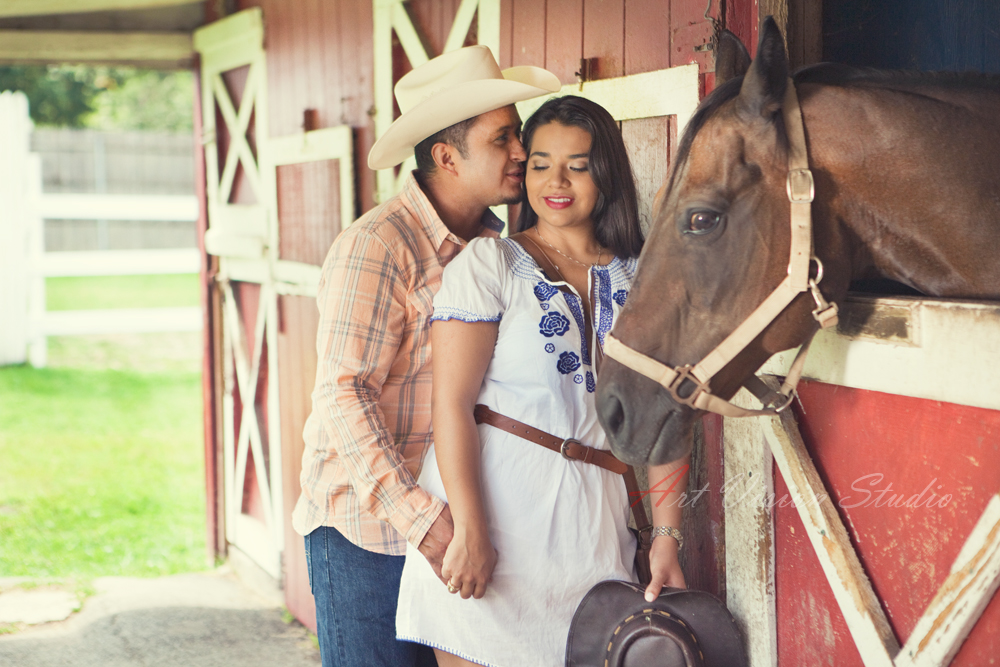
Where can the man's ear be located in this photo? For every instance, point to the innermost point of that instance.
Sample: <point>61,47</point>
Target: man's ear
<point>444,157</point>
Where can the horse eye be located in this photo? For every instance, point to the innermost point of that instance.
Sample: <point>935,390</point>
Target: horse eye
<point>702,222</point>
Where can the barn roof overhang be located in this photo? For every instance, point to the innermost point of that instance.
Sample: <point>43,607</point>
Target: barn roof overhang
<point>144,33</point>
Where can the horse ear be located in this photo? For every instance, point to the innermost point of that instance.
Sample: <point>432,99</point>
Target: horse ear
<point>765,82</point>
<point>732,59</point>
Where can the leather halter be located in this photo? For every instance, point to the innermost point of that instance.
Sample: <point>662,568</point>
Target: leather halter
<point>801,190</point>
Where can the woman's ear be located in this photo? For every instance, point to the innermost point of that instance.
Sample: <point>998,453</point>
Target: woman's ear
<point>444,157</point>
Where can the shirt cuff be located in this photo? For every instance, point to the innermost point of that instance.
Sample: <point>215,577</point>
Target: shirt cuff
<point>416,514</point>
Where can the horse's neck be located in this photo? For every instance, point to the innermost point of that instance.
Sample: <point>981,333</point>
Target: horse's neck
<point>914,179</point>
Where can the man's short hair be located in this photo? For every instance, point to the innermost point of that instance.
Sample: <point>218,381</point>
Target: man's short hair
<point>455,136</point>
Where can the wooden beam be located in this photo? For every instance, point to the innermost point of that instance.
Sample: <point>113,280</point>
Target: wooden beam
<point>64,46</point>
<point>48,7</point>
<point>960,601</point>
<point>863,615</point>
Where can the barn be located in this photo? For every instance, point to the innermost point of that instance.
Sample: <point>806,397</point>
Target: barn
<point>901,402</point>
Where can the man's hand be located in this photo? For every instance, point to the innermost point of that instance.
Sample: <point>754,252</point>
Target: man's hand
<point>436,541</point>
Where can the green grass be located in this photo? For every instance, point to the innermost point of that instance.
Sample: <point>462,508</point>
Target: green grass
<point>121,292</point>
<point>101,473</point>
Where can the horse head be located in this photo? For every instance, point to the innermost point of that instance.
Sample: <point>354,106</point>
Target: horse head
<point>718,246</point>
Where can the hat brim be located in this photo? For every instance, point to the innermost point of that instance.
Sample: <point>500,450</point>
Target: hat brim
<point>610,602</point>
<point>454,105</point>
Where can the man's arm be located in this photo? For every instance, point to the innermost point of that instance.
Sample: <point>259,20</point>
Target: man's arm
<point>362,303</point>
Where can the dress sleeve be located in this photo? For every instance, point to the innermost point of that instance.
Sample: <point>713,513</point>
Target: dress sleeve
<point>472,286</point>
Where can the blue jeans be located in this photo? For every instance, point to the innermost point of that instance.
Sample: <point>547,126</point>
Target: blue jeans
<point>356,591</point>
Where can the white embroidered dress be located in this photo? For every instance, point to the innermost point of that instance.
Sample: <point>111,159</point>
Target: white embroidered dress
<point>558,526</point>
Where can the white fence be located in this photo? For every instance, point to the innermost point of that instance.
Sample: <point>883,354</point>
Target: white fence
<point>24,264</point>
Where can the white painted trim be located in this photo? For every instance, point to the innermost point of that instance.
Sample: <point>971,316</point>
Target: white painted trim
<point>48,7</point>
<point>857,601</point>
<point>960,601</point>
<point>460,26</point>
<point>749,539</point>
<point>54,46</point>
<point>951,352</point>
<point>332,143</point>
<point>120,321</point>
<point>119,263</point>
<point>167,208</point>
<point>665,92</point>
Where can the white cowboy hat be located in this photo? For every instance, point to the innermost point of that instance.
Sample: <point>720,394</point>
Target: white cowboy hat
<point>449,89</point>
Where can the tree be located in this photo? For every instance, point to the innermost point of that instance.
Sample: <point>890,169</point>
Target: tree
<point>106,98</point>
<point>56,95</point>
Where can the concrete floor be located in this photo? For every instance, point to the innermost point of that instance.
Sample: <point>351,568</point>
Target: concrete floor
<point>189,620</point>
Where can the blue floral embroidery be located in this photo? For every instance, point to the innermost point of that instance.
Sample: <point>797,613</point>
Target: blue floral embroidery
<point>574,307</point>
<point>568,362</point>
<point>544,305</point>
<point>591,383</point>
<point>604,297</point>
<point>553,324</point>
<point>578,378</point>
<point>620,297</point>
<point>544,291</point>
<point>550,348</point>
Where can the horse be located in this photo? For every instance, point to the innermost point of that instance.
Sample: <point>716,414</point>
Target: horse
<point>905,186</point>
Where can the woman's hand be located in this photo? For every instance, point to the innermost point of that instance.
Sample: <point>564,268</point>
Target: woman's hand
<point>665,566</point>
<point>469,562</point>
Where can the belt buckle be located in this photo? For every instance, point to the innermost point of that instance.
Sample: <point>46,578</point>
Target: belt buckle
<point>562,448</point>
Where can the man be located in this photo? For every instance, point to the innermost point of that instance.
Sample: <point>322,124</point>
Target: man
<point>370,424</point>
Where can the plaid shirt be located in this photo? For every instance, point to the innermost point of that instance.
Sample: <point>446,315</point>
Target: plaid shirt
<point>370,424</point>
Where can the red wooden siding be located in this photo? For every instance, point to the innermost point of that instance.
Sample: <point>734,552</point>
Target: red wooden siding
<point>907,552</point>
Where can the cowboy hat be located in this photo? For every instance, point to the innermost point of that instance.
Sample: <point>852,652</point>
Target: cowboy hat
<point>449,89</point>
<point>614,626</point>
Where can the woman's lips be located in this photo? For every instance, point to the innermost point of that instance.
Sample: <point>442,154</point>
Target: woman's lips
<point>558,202</point>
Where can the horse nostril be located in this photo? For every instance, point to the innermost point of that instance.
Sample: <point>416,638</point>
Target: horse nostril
<point>615,415</point>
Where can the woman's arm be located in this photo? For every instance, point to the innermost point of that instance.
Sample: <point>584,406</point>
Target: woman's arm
<point>666,483</point>
<point>461,354</point>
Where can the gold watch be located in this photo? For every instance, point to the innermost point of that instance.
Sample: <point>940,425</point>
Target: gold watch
<point>671,531</point>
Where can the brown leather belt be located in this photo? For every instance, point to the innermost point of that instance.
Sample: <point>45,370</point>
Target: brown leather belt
<point>568,447</point>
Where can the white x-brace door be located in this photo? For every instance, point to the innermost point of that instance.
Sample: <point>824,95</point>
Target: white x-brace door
<point>251,274</point>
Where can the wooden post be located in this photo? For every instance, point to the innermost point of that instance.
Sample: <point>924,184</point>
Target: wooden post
<point>748,489</point>
<point>15,132</point>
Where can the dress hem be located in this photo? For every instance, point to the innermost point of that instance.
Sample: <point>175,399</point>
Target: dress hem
<point>463,656</point>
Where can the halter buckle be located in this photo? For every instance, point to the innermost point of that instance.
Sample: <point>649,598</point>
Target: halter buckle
<point>684,373</point>
<point>800,186</point>
<point>778,409</point>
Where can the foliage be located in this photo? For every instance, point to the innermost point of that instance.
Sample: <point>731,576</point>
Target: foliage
<point>102,473</point>
<point>147,100</point>
<point>56,95</point>
<point>107,98</point>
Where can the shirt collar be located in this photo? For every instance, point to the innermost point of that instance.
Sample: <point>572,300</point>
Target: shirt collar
<point>431,223</point>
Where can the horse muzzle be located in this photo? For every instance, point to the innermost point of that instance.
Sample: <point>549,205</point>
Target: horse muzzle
<point>644,425</point>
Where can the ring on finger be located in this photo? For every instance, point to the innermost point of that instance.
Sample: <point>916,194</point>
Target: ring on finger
<point>451,587</point>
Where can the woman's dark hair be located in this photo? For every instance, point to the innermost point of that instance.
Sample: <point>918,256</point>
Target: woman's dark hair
<point>616,214</point>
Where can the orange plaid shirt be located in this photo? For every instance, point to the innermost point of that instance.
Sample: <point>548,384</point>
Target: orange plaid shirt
<point>370,424</point>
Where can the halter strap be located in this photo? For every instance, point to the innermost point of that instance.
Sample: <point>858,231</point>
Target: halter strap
<point>800,188</point>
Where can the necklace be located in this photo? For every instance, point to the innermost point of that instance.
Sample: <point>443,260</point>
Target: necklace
<point>600,252</point>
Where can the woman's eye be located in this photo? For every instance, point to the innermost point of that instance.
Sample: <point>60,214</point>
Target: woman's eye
<point>702,222</point>
<point>580,169</point>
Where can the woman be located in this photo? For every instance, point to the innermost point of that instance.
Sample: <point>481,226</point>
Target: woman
<point>534,531</point>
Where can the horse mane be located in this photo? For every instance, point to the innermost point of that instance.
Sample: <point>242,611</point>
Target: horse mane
<point>830,74</point>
